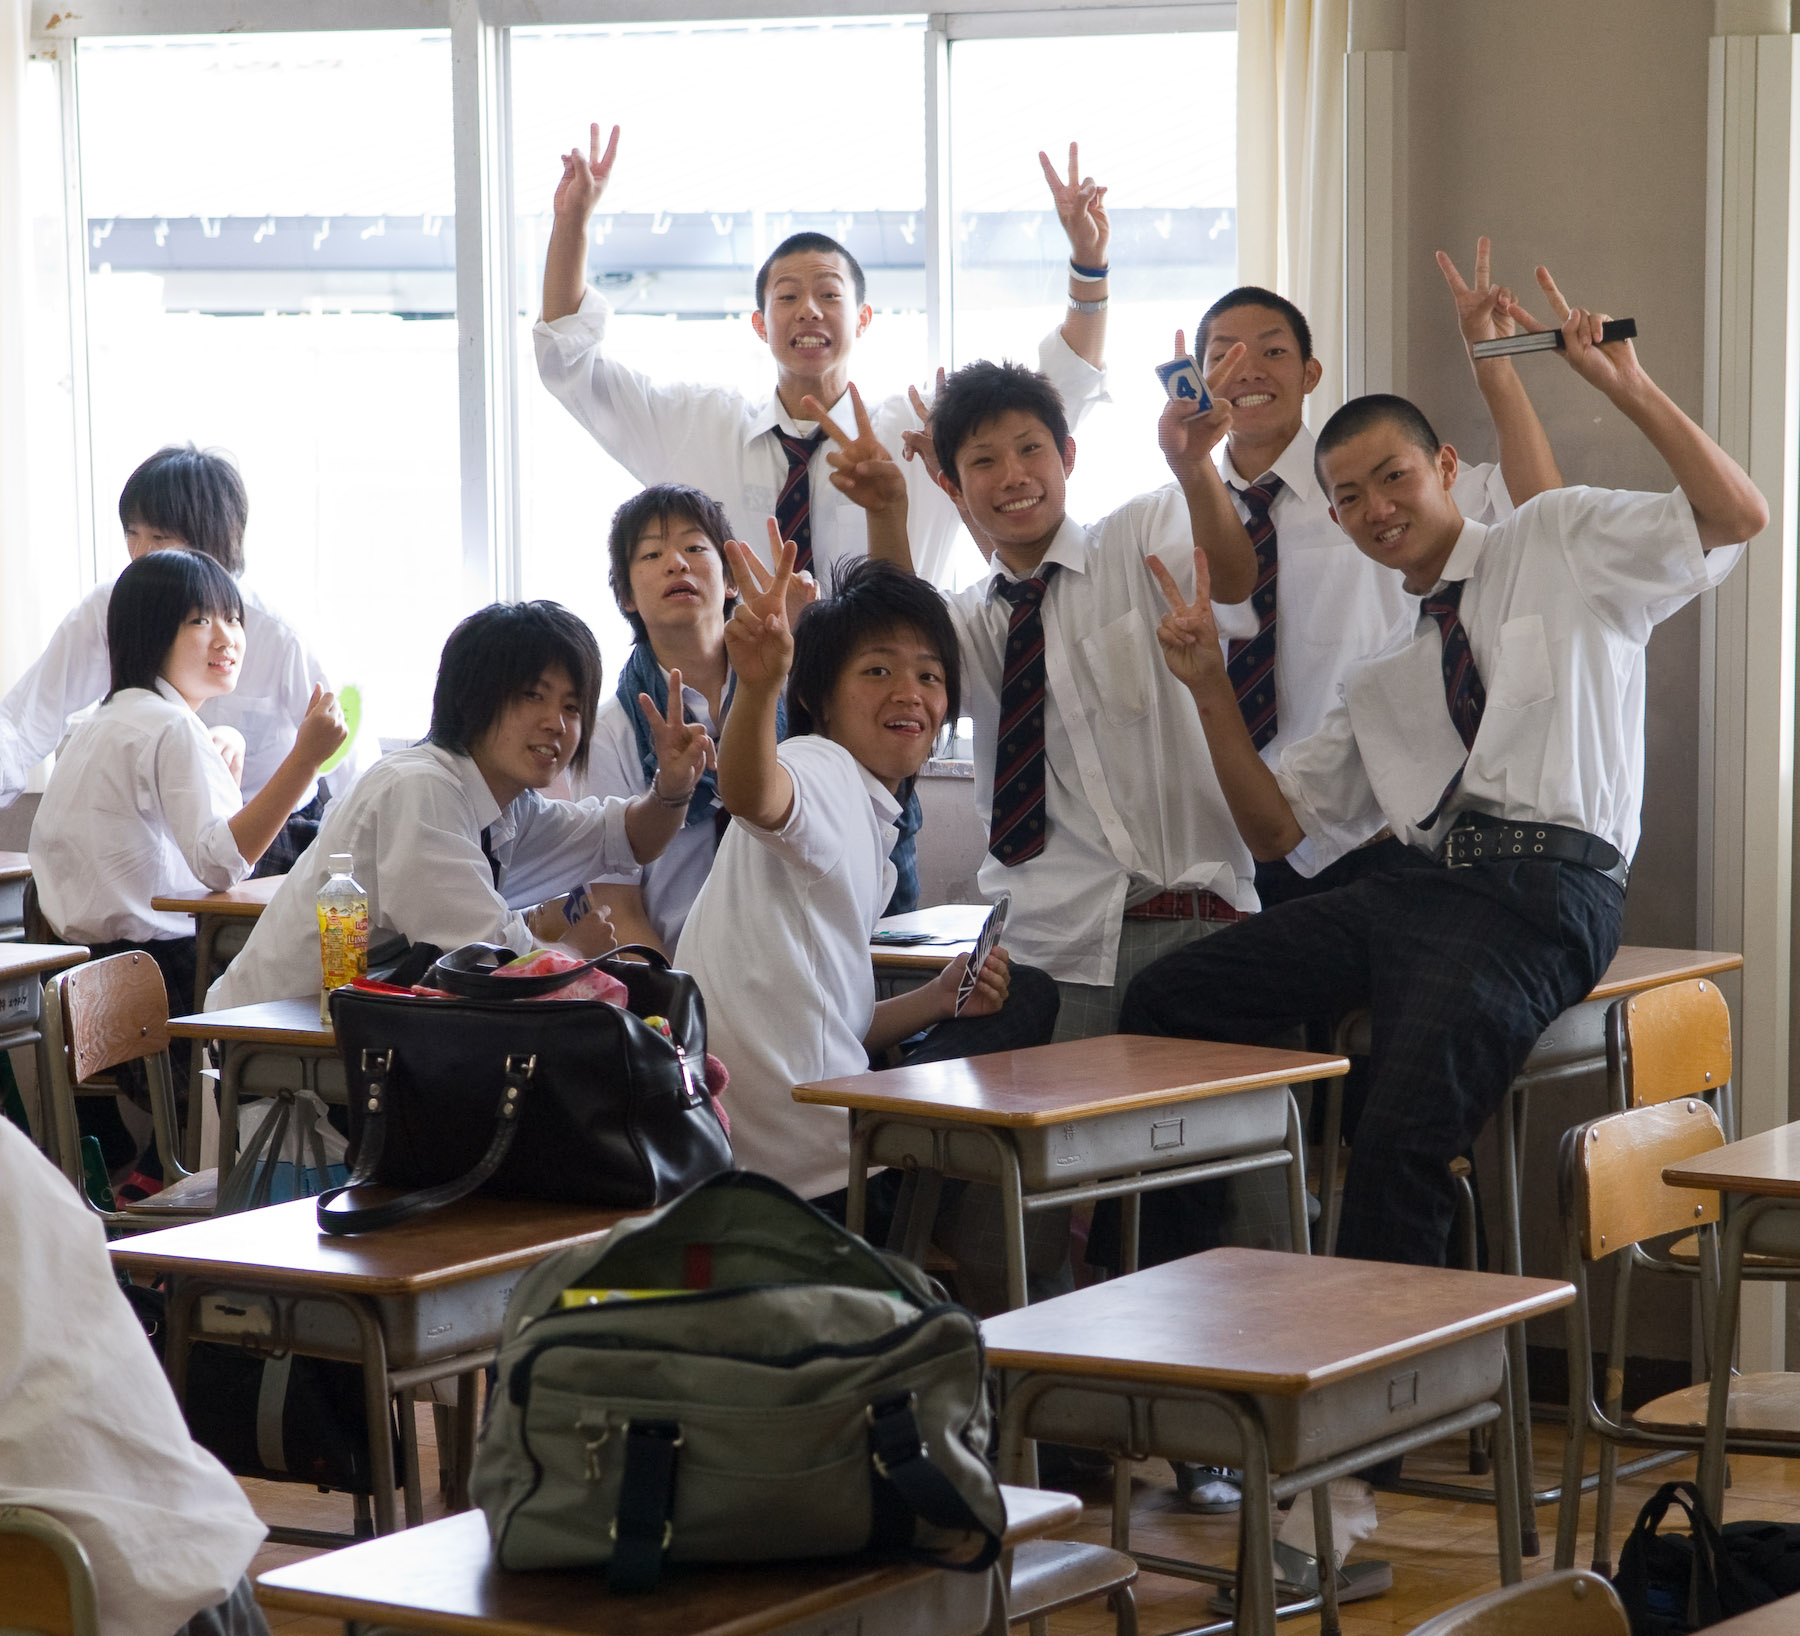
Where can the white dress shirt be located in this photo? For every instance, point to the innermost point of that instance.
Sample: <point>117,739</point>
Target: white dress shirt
<point>714,439</point>
<point>671,882</point>
<point>413,825</point>
<point>1134,807</point>
<point>89,1430</point>
<point>1559,602</point>
<point>778,941</point>
<point>139,806</point>
<point>275,684</point>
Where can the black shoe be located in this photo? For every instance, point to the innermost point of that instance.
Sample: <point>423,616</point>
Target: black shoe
<point>1213,1491</point>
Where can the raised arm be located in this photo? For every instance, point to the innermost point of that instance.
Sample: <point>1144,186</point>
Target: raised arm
<point>1188,440</point>
<point>256,824</point>
<point>1527,461</point>
<point>584,179</point>
<point>1081,208</point>
<point>683,753</point>
<point>1190,648</point>
<point>753,784</point>
<point>864,470</point>
<point>1728,507</point>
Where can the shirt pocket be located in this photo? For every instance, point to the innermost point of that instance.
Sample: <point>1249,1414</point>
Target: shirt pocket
<point>1118,658</point>
<point>1522,672</point>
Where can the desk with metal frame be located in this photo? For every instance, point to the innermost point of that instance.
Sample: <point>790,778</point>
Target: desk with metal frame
<point>23,968</point>
<point>15,874</point>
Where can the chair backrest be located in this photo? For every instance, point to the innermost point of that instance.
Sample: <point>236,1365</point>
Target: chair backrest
<point>1673,1041</point>
<point>1565,1604</point>
<point>1613,1169</point>
<point>46,1581</point>
<point>114,1010</point>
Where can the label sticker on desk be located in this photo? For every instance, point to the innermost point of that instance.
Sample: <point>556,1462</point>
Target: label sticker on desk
<point>16,1004</point>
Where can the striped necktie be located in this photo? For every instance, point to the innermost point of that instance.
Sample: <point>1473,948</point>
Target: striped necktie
<point>487,851</point>
<point>793,506</point>
<point>1250,663</point>
<point>1019,824</point>
<point>1463,692</point>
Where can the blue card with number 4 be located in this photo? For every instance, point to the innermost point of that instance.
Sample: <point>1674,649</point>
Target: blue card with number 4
<point>1184,383</point>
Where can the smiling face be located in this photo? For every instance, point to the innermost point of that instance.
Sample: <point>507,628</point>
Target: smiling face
<point>204,659</point>
<point>533,737</point>
<point>1014,482</point>
<point>678,578</point>
<point>1268,390</point>
<point>810,318</point>
<point>1393,499</point>
<point>888,704</point>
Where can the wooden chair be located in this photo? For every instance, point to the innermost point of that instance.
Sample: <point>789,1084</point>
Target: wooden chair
<point>1613,1198</point>
<point>96,1017</point>
<point>1049,1575</point>
<point>46,1581</point>
<point>1560,1604</point>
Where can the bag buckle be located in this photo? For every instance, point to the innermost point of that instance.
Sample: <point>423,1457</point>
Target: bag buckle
<point>376,1065</point>
<point>520,1066</point>
<point>612,1532</point>
<point>894,1432</point>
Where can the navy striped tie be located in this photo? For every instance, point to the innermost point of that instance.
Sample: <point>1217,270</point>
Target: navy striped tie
<point>1250,663</point>
<point>1463,692</point>
<point>793,507</point>
<point>1019,823</point>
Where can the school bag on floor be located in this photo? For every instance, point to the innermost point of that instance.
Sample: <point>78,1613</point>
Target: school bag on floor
<point>735,1378</point>
<point>1712,1574</point>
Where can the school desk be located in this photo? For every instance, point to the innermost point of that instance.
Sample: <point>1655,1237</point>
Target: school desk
<point>953,928</point>
<point>1777,1619</point>
<point>1292,1368</point>
<point>441,1578</point>
<point>23,968</point>
<point>1065,1124</point>
<point>15,871</point>
<point>413,1303</point>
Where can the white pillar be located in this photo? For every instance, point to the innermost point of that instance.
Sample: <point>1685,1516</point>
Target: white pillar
<point>1375,192</point>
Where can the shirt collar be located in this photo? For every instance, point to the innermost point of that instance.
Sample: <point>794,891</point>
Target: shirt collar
<point>167,689</point>
<point>1294,466</point>
<point>1465,554</point>
<point>885,803</point>
<point>481,798</point>
<point>1068,550</point>
<point>770,416</point>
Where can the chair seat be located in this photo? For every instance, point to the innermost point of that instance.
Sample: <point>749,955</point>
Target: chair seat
<point>1049,1575</point>
<point>1687,1252</point>
<point>1761,1406</point>
<point>195,1194</point>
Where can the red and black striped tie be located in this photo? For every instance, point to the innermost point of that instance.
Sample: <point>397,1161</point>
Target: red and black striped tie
<point>1250,663</point>
<point>1463,691</point>
<point>793,507</point>
<point>1019,822</point>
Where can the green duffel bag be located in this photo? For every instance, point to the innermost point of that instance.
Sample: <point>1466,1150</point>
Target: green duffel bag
<point>735,1378</point>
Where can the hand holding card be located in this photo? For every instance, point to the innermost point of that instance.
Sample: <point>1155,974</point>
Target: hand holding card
<point>1183,381</point>
<point>985,944</point>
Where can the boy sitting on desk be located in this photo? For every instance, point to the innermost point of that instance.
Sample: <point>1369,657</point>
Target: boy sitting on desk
<point>1502,739</point>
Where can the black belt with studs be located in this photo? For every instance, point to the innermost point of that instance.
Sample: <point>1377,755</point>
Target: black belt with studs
<point>1477,838</point>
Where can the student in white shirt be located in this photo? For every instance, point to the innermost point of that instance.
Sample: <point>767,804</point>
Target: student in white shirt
<point>452,837</point>
<point>1327,606</point>
<point>778,939</point>
<point>810,313</point>
<point>91,1433</point>
<point>193,498</point>
<point>1502,739</point>
<point>142,803</point>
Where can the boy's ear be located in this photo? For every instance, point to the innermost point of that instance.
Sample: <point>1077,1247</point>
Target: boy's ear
<point>761,328</point>
<point>948,484</point>
<point>1448,464</point>
<point>863,319</point>
<point>1312,375</point>
<point>1068,457</point>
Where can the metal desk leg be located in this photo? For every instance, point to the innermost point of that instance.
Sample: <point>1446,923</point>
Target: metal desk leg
<point>463,1423</point>
<point>1299,1229</point>
<point>1256,1535</point>
<point>206,937</point>
<point>856,1187</point>
<point>1724,1349</point>
<point>409,1456</point>
<point>1325,1554</point>
<point>1506,1487</point>
<point>1509,1128</point>
<point>231,1073</point>
<point>921,1214</point>
<point>377,1396</point>
<point>1012,1215</point>
<point>1131,1216</point>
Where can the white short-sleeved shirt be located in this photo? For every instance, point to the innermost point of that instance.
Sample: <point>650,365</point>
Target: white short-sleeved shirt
<point>89,1430</point>
<point>139,806</point>
<point>717,440</point>
<point>778,941</point>
<point>671,882</point>
<point>1559,601</point>
<point>1134,806</point>
<point>413,824</point>
<point>274,688</point>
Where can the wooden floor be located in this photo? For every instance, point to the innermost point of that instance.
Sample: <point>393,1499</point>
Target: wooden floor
<point>1442,1551</point>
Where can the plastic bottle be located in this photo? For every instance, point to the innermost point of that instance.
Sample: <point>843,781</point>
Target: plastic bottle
<point>343,928</point>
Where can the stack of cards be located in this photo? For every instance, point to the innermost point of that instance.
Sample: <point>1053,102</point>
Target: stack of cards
<point>1183,381</point>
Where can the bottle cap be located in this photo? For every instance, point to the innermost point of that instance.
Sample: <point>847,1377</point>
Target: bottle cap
<point>342,863</point>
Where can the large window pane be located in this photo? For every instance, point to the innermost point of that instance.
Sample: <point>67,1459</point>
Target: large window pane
<point>272,270</point>
<point>1172,199</point>
<point>715,167</point>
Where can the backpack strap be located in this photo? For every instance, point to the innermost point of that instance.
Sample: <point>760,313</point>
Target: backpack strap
<point>908,1487</point>
<point>641,1529</point>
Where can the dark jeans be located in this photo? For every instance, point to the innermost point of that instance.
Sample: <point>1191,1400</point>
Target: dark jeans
<point>1461,970</point>
<point>99,1116</point>
<point>1280,882</point>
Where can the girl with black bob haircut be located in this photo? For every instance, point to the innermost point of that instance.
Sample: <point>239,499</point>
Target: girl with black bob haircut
<point>167,589</point>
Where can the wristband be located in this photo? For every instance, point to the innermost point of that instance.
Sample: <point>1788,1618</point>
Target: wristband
<point>668,800</point>
<point>1085,275</point>
<point>1088,306</point>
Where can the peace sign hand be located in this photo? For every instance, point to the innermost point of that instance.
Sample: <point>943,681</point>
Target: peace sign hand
<point>1482,309</point>
<point>1188,632</point>
<point>585,179</point>
<point>1188,439</point>
<point>861,467</point>
<point>684,749</point>
<point>1081,208</point>
<point>918,445</point>
<point>758,639</point>
<point>1612,368</point>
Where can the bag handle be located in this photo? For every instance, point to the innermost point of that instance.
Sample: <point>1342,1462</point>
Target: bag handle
<point>248,1186</point>
<point>908,1486</point>
<point>461,972</point>
<point>377,1065</point>
<point>1708,1546</point>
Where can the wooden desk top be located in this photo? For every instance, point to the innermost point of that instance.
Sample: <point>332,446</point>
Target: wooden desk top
<point>1052,1083</point>
<point>960,923</point>
<point>245,901</point>
<point>272,1022</point>
<point>1261,1321</point>
<point>14,866</point>
<point>440,1577</point>
<point>1767,1164</point>
<point>35,959</point>
<point>470,1239</point>
<point>1634,968</point>
<point>1776,1619</point>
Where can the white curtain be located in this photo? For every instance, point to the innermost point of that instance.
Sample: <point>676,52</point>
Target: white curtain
<point>18,578</point>
<point>1290,167</point>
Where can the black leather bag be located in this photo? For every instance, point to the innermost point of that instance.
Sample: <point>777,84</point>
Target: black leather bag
<point>1675,1583</point>
<point>523,1095</point>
